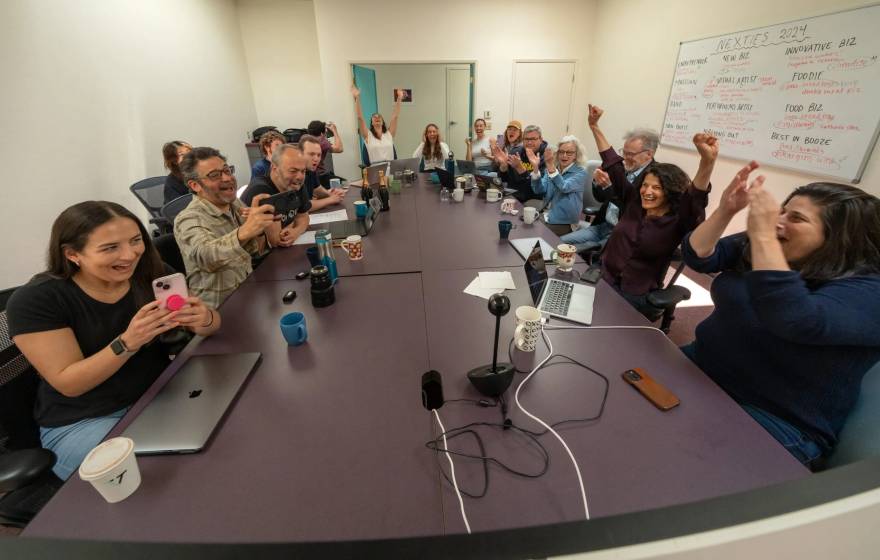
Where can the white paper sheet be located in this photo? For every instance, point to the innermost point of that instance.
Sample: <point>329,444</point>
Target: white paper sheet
<point>475,288</point>
<point>327,217</point>
<point>307,238</point>
<point>497,280</point>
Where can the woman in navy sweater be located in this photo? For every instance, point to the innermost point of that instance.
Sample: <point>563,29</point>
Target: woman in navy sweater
<point>797,306</point>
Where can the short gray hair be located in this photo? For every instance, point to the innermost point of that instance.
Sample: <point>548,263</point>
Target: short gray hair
<point>533,128</point>
<point>649,137</point>
<point>581,156</point>
<point>279,152</point>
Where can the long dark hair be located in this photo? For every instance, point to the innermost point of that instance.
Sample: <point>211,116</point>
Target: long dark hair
<point>673,181</point>
<point>431,151</point>
<point>169,154</point>
<point>851,224</point>
<point>72,229</point>
<point>373,130</point>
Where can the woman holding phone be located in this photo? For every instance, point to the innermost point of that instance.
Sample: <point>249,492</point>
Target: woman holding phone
<point>90,325</point>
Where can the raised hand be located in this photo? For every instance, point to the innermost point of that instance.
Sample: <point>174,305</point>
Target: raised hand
<point>707,146</point>
<point>533,158</point>
<point>549,158</point>
<point>398,95</point>
<point>516,162</point>
<point>332,127</point>
<point>468,141</point>
<point>355,92</point>
<point>601,178</point>
<point>763,212</point>
<point>499,155</point>
<point>595,113</point>
<point>736,196</point>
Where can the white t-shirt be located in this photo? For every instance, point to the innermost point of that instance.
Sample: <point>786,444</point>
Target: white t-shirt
<point>477,147</point>
<point>380,150</point>
<point>433,163</point>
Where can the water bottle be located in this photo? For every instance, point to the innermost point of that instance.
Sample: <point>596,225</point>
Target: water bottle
<point>444,194</point>
<point>324,242</point>
<point>450,164</point>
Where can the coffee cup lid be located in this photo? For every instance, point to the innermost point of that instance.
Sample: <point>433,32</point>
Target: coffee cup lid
<point>105,457</point>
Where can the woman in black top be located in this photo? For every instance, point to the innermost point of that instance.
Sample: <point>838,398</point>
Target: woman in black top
<point>172,153</point>
<point>89,326</point>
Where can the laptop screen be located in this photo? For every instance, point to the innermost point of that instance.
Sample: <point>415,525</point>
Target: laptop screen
<point>536,272</point>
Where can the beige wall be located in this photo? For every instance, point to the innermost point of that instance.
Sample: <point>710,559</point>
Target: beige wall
<point>637,43</point>
<point>493,33</point>
<point>91,91</point>
<point>281,48</point>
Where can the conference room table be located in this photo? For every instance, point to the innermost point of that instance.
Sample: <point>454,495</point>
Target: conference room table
<point>327,440</point>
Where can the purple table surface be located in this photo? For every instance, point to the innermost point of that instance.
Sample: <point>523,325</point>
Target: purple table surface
<point>325,441</point>
<point>633,458</point>
<point>392,246</point>
<point>459,235</point>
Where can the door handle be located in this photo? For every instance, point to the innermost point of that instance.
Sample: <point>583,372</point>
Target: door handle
<point>452,122</point>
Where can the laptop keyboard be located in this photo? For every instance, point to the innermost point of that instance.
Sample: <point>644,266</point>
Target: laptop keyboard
<point>557,297</point>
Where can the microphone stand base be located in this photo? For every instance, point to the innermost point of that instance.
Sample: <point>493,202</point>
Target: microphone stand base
<point>492,383</point>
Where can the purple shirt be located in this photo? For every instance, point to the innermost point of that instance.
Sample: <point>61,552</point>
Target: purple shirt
<point>641,246</point>
<point>325,147</point>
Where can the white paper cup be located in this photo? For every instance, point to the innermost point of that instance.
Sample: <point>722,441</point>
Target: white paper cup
<point>112,469</point>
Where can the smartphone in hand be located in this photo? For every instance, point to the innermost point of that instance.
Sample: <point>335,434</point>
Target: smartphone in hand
<point>171,291</point>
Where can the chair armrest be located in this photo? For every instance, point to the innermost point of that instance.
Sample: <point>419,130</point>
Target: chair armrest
<point>668,298</point>
<point>20,468</point>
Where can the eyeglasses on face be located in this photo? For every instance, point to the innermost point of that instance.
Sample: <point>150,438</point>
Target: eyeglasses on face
<point>566,152</point>
<point>632,154</point>
<point>218,173</point>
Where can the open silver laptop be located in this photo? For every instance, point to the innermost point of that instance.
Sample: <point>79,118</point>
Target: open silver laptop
<point>558,298</point>
<point>182,417</point>
<point>411,164</point>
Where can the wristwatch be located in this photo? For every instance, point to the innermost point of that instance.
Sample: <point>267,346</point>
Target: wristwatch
<point>119,348</point>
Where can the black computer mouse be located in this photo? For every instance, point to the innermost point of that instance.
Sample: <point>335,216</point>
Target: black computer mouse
<point>289,296</point>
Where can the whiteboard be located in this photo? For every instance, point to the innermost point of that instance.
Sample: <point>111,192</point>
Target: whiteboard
<point>804,95</point>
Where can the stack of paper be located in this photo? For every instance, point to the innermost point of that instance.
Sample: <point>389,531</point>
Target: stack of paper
<point>488,283</point>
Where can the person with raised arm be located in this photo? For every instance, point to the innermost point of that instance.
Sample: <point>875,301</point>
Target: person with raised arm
<point>653,218</point>
<point>796,322</point>
<point>378,138</point>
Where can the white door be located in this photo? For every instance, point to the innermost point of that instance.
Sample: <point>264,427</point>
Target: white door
<point>458,97</point>
<point>542,94</point>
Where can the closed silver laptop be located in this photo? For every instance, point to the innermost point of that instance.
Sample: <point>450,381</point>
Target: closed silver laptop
<point>185,412</point>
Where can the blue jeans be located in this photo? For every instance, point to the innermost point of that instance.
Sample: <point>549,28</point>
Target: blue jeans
<point>800,445</point>
<point>73,442</point>
<point>588,236</point>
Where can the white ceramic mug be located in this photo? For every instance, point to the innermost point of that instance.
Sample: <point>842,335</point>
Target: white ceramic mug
<point>112,469</point>
<point>458,194</point>
<point>530,214</point>
<point>528,328</point>
<point>493,195</point>
<point>564,255</point>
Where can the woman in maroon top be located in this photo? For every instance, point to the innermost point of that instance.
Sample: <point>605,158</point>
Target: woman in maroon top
<point>653,219</point>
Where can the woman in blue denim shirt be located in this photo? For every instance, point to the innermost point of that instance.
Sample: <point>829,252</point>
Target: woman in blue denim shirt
<point>562,183</point>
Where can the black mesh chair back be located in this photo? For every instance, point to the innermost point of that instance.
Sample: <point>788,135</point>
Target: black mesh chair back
<point>151,193</point>
<point>173,208</point>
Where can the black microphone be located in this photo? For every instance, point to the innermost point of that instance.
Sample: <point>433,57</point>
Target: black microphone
<point>432,390</point>
<point>492,380</point>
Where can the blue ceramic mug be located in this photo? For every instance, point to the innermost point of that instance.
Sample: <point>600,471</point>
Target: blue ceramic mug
<point>293,327</point>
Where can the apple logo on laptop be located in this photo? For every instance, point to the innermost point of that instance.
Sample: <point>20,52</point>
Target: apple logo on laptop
<point>194,394</point>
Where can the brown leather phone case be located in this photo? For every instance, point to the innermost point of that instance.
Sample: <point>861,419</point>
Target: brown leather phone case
<point>659,395</point>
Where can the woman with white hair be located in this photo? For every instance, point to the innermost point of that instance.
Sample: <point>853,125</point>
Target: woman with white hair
<point>562,183</point>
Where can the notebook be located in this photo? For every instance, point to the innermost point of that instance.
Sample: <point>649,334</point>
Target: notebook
<point>182,417</point>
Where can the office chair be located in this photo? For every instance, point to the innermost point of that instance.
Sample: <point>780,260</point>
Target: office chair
<point>365,157</point>
<point>26,478</point>
<point>591,205</point>
<point>168,250</point>
<point>668,297</point>
<point>174,207</point>
<point>860,437</point>
<point>151,193</point>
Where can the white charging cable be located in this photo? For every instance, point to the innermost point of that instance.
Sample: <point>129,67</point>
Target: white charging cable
<point>546,426</point>
<point>452,470</point>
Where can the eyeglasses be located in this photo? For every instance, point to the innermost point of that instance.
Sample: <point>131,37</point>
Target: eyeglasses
<point>566,152</point>
<point>532,139</point>
<point>218,173</point>
<point>632,154</point>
